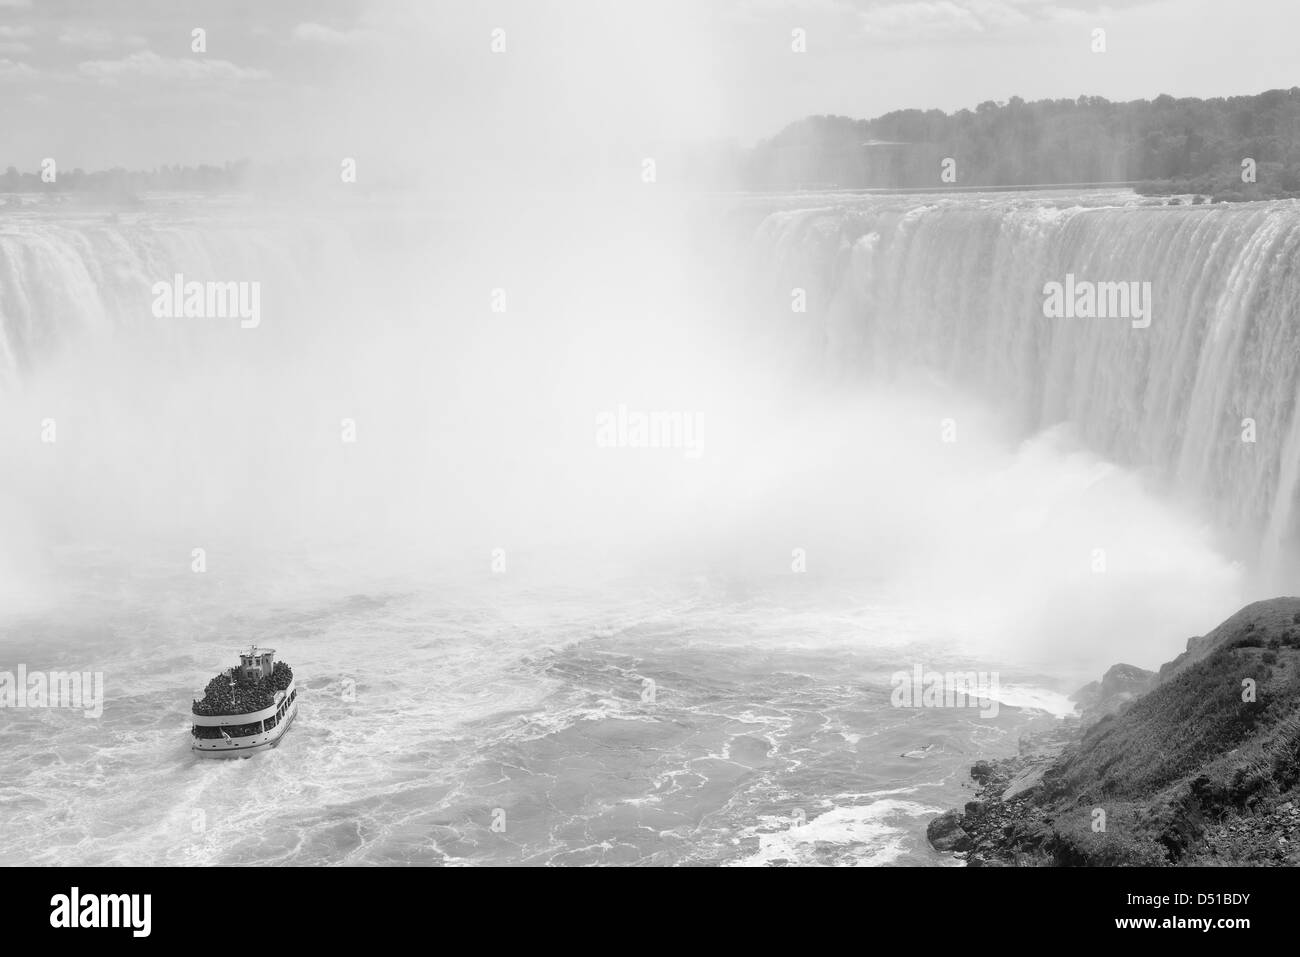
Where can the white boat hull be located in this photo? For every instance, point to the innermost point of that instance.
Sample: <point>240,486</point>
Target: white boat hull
<point>248,745</point>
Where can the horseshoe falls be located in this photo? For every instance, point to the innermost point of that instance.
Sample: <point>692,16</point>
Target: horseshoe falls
<point>1203,401</point>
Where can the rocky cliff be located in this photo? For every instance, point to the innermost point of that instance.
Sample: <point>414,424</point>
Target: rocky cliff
<point>1197,764</point>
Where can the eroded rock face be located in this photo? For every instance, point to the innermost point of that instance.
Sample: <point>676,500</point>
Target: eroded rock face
<point>1126,679</point>
<point>1121,684</point>
<point>1087,696</point>
<point>1027,781</point>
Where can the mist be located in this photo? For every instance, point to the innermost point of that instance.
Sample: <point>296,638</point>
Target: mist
<point>422,400</point>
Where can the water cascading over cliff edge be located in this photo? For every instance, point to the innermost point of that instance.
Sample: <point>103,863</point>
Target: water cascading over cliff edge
<point>893,284</point>
<point>956,285</point>
<point>67,278</point>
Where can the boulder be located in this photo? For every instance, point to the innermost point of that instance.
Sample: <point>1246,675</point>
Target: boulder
<point>945,833</point>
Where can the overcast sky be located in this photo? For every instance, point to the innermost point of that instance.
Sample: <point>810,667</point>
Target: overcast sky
<point>414,83</point>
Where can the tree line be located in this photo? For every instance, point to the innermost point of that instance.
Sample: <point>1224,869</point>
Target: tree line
<point>1166,145</point>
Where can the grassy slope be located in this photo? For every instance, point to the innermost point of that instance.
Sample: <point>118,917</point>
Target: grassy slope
<point>1190,772</point>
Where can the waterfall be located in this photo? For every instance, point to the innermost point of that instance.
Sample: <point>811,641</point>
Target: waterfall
<point>957,286</point>
<point>1202,401</point>
<point>69,278</point>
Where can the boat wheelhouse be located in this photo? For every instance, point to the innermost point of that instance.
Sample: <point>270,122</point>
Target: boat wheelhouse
<point>246,709</point>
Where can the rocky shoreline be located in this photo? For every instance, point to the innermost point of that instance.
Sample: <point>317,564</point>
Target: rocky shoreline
<point>1196,764</point>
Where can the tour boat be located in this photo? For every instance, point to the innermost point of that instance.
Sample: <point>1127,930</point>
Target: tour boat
<point>247,709</point>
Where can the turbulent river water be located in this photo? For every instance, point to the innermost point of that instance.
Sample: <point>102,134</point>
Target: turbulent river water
<point>427,714</point>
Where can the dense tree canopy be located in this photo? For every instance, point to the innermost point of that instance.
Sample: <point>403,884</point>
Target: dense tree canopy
<point>1168,144</point>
